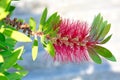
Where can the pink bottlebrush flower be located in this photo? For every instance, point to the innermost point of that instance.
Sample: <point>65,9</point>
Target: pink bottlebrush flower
<point>72,41</point>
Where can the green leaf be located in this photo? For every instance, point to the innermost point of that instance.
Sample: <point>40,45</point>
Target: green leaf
<point>103,51</point>
<point>4,4</point>
<point>106,39</point>
<point>43,17</point>
<point>35,49</point>
<point>112,58</point>
<point>3,77</point>
<point>97,28</point>
<point>94,56</point>
<point>51,23</point>
<point>5,53</point>
<point>43,20</point>
<point>10,43</point>
<point>2,37</point>
<point>50,49</point>
<point>9,62</point>
<point>2,46</point>
<point>17,75</point>
<point>11,9</point>
<point>3,15</point>
<point>105,31</point>
<point>101,29</point>
<point>96,20</point>
<point>43,40</point>
<point>18,36</point>
<point>55,27</point>
<point>1,59</point>
<point>95,24</point>
<point>32,23</point>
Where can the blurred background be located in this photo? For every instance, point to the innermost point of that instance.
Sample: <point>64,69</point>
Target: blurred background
<point>85,10</point>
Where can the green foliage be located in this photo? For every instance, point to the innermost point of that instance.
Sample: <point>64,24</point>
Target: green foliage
<point>106,39</point>
<point>51,24</point>
<point>98,32</point>
<point>43,17</point>
<point>2,37</point>
<point>50,49</point>
<point>32,24</point>
<point>8,39</point>
<point>94,56</point>
<point>112,58</point>
<point>102,51</point>
<point>35,49</point>
<point>96,50</point>
<point>5,8</point>
<point>12,59</point>
<point>99,28</point>
<point>14,35</point>
<point>50,28</point>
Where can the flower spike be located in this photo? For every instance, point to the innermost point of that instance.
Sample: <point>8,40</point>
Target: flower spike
<point>75,41</point>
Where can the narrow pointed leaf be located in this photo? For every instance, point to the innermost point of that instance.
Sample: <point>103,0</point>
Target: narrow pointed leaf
<point>50,22</point>
<point>96,20</point>
<point>9,62</point>
<point>106,39</point>
<point>18,36</point>
<point>42,38</point>
<point>94,56</point>
<point>96,26</point>
<point>35,49</point>
<point>54,26</point>
<point>51,18</point>
<point>103,51</point>
<point>32,24</point>
<point>105,31</point>
<point>101,29</point>
<point>43,17</point>
<point>50,49</point>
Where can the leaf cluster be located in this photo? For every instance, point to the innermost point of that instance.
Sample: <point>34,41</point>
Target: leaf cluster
<point>98,32</point>
<point>49,27</point>
<point>9,56</point>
